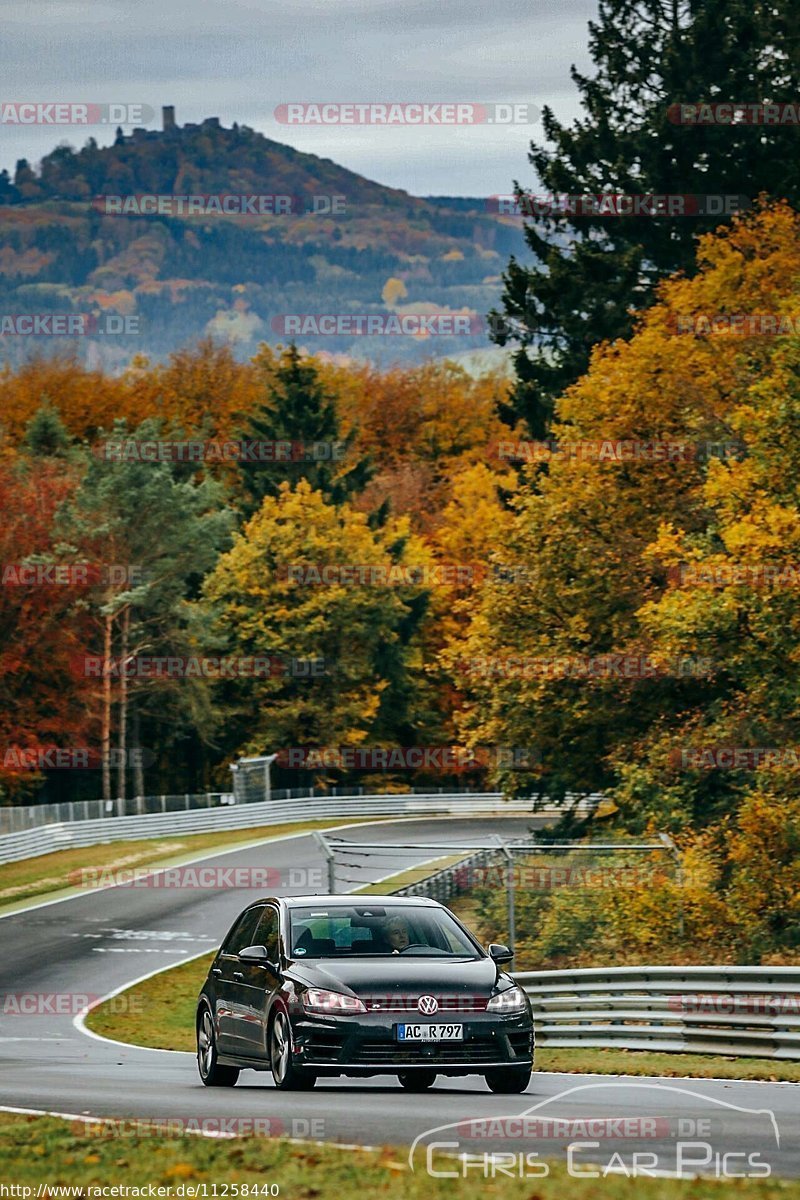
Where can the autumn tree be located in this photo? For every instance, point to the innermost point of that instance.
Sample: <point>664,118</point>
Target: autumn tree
<point>152,532</point>
<point>593,271</point>
<point>85,400</point>
<point>200,389</point>
<point>40,704</point>
<point>347,668</point>
<point>588,521</point>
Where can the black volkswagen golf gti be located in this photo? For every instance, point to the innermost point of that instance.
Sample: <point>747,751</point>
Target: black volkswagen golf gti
<point>341,985</point>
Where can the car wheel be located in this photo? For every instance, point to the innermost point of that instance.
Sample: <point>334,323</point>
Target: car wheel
<point>417,1081</point>
<point>286,1075</point>
<point>508,1081</point>
<point>211,1073</point>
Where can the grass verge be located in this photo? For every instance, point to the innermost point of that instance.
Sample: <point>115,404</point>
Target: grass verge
<point>62,1153</point>
<point>650,1062</point>
<point>158,1012</point>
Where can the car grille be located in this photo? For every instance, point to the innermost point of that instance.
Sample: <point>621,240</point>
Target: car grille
<point>476,1050</point>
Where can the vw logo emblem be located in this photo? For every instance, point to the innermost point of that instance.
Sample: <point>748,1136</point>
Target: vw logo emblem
<point>428,1005</point>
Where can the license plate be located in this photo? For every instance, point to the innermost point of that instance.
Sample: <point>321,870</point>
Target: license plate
<point>430,1033</point>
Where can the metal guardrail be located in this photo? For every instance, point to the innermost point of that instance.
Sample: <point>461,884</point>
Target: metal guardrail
<point>69,835</point>
<point>14,818</point>
<point>742,1011</point>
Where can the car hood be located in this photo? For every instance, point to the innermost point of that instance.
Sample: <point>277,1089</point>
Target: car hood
<point>399,973</point>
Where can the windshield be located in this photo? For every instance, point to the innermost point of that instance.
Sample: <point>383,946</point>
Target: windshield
<point>344,931</point>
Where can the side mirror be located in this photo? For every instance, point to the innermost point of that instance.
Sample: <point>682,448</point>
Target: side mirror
<point>256,955</point>
<point>500,953</point>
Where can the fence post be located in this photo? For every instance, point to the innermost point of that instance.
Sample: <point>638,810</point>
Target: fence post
<point>324,846</point>
<point>512,922</point>
<point>676,854</point>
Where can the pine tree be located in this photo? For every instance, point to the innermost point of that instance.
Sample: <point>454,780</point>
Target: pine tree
<point>298,410</point>
<point>45,434</point>
<point>592,271</point>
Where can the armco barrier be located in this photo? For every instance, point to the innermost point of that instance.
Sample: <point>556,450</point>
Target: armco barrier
<point>69,835</point>
<point>743,1011</point>
<point>14,818</point>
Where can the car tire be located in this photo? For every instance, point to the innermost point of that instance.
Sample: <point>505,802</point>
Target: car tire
<point>508,1081</point>
<point>417,1081</point>
<point>287,1076</point>
<point>211,1073</point>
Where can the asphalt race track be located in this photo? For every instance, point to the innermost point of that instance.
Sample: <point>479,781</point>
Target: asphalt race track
<point>98,942</point>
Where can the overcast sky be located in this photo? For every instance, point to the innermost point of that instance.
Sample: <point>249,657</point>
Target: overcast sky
<point>240,59</point>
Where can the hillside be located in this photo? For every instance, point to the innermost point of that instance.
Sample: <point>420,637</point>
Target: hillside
<point>71,243</point>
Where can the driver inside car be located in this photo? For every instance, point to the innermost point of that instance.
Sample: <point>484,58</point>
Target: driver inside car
<point>395,931</point>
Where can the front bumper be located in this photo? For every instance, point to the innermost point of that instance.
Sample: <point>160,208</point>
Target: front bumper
<point>366,1045</point>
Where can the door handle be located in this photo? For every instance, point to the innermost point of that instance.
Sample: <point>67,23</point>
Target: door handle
<point>238,975</point>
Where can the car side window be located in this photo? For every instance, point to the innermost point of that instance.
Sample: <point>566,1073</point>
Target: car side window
<point>267,932</point>
<point>243,933</point>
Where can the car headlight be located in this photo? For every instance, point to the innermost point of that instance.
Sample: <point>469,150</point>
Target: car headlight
<point>320,1000</point>
<point>512,1000</point>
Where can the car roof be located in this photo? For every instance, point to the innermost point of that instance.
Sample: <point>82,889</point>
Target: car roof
<point>347,901</point>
